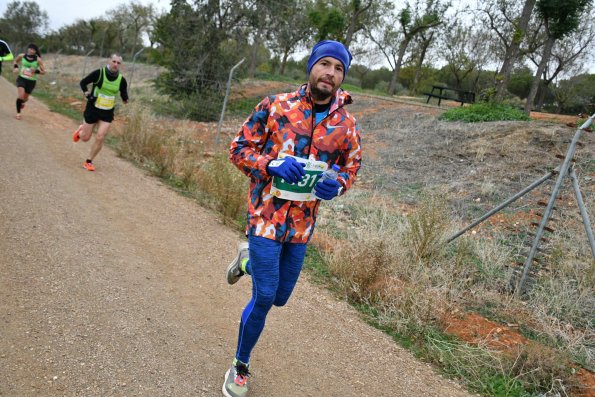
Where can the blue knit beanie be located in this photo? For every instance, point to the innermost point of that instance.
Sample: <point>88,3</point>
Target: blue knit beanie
<point>330,48</point>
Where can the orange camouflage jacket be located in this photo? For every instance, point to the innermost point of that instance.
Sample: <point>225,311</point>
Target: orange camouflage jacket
<point>284,123</point>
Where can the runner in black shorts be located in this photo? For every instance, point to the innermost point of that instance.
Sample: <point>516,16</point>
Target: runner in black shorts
<point>28,66</point>
<point>101,99</point>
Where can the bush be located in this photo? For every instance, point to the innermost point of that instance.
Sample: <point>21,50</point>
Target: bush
<point>481,112</point>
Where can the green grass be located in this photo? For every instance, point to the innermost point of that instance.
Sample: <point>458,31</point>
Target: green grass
<point>478,368</point>
<point>56,106</point>
<point>277,77</point>
<point>482,112</point>
<point>242,107</point>
<point>45,93</point>
<point>315,266</point>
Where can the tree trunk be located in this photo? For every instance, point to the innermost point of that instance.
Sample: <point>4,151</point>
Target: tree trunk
<point>283,62</point>
<point>393,81</point>
<point>353,23</point>
<point>513,50</point>
<point>422,56</point>
<point>102,41</point>
<point>541,98</point>
<point>547,52</point>
<point>350,31</point>
<point>476,80</point>
<point>254,56</point>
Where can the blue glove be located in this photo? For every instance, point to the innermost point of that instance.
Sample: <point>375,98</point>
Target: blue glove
<point>327,189</point>
<point>287,169</point>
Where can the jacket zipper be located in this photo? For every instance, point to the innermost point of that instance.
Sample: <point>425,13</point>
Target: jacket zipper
<point>309,150</point>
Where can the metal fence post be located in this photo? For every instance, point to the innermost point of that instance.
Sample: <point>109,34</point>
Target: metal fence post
<point>85,64</point>
<point>504,204</point>
<point>133,67</point>
<point>57,60</point>
<point>550,205</point>
<point>583,209</point>
<point>225,101</point>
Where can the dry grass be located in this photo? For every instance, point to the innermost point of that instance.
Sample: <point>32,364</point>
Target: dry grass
<point>386,245</point>
<point>224,186</point>
<point>400,265</point>
<point>169,153</point>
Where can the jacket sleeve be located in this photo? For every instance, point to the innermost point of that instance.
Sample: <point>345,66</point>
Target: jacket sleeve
<point>352,158</point>
<point>247,146</point>
<point>91,78</point>
<point>124,89</point>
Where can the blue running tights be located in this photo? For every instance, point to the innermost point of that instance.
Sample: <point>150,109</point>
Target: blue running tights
<point>275,268</point>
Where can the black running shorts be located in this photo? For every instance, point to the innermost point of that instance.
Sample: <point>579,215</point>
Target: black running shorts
<point>27,84</point>
<point>93,115</point>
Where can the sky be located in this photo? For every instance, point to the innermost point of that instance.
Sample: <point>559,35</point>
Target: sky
<point>65,12</point>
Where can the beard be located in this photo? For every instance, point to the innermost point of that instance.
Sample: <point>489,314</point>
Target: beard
<point>320,94</point>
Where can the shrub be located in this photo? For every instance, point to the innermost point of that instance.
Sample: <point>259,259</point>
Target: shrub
<point>480,112</point>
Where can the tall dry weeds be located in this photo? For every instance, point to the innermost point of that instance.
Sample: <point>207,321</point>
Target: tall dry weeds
<point>143,142</point>
<point>426,229</point>
<point>213,180</point>
<point>223,186</point>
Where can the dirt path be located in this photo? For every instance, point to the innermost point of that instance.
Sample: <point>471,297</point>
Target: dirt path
<point>111,284</point>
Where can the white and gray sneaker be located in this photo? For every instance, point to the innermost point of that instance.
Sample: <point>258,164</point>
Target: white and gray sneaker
<point>234,270</point>
<point>236,380</point>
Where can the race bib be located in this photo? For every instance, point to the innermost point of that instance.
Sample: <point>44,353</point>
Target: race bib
<point>302,190</point>
<point>105,102</point>
<point>28,72</point>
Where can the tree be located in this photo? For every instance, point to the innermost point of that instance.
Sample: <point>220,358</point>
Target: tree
<point>361,71</point>
<point>133,21</point>
<point>520,81</point>
<point>559,19</point>
<point>342,20</point>
<point>510,26</point>
<point>576,95</point>
<point>23,22</point>
<point>393,41</point>
<point>327,20</point>
<point>568,57</point>
<point>357,10</point>
<point>421,45</point>
<point>199,59</point>
<point>285,37</point>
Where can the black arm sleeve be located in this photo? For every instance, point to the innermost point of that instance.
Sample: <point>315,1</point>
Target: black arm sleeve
<point>124,89</point>
<point>91,78</point>
<point>4,48</point>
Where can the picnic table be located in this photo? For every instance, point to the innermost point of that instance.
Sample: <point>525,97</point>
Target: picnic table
<point>451,94</point>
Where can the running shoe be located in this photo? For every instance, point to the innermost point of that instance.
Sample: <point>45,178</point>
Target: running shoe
<point>236,380</point>
<point>89,166</point>
<point>18,116</point>
<point>234,270</point>
<point>75,136</point>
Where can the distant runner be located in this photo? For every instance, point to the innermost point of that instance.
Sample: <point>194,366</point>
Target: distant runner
<point>5,53</point>
<point>27,66</point>
<point>101,99</point>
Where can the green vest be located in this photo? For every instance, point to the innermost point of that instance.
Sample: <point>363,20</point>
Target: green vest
<point>105,92</point>
<point>28,69</point>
